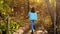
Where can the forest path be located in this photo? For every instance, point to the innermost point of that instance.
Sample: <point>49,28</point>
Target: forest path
<point>26,30</point>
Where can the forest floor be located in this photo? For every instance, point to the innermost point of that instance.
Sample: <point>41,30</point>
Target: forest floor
<point>26,30</point>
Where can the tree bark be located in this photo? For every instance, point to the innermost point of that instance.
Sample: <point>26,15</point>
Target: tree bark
<point>52,14</point>
<point>58,16</point>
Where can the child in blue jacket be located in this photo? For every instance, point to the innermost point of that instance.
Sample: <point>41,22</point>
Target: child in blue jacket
<point>32,17</point>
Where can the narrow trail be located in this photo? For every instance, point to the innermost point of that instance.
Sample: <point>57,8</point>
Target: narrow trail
<point>26,30</point>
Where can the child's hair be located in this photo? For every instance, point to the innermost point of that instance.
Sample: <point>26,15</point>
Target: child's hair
<point>33,10</point>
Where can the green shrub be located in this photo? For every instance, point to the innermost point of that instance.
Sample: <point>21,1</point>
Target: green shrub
<point>2,26</point>
<point>14,25</point>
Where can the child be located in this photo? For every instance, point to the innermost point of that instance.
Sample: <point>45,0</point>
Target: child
<point>32,17</point>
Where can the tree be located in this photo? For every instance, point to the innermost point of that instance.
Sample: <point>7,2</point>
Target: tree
<point>58,16</point>
<point>52,14</point>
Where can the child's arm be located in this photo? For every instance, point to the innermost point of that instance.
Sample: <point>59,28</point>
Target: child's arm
<point>27,16</point>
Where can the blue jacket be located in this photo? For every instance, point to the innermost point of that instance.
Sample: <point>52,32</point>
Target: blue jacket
<point>32,16</point>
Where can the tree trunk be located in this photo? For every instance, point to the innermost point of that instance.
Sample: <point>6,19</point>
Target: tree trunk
<point>52,14</point>
<point>50,10</point>
<point>58,16</point>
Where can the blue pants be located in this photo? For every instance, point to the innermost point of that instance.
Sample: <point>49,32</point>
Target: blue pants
<point>32,24</point>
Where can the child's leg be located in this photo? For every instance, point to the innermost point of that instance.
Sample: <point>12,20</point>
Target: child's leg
<point>32,32</point>
<point>32,25</point>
